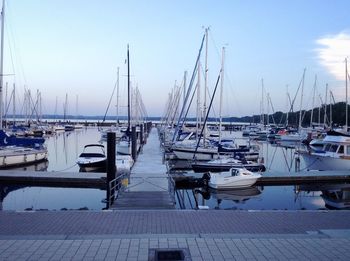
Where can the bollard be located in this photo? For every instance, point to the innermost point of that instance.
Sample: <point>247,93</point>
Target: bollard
<point>133,143</point>
<point>111,169</point>
<point>146,132</point>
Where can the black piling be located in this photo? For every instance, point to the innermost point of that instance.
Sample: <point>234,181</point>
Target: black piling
<point>141,134</point>
<point>133,143</point>
<point>111,168</point>
<point>146,132</point>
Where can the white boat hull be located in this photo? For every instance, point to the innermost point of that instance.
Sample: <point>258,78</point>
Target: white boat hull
<point>318,162</point>
<point>201,154</point>
<point>227,184</point>
<point>225,180</point>
<point>17,157</point>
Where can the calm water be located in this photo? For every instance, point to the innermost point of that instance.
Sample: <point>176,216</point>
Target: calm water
<point>65,147</point>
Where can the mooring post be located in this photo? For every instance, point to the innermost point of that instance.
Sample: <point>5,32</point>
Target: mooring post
<point>133,143</point>
<point>146,132</point>
<point>141,134</point>
<point>111,168</point>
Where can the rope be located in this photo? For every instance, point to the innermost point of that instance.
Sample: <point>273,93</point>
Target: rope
<point>66,168</point>
<point>307,167</point>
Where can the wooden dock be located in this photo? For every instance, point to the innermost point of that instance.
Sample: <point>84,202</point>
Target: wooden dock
<point>149,186</point>
<point>54,179</point>
<point>275,179</point>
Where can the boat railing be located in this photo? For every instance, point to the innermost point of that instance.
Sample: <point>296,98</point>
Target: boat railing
<point>171,185</point>
<point>116,186</point>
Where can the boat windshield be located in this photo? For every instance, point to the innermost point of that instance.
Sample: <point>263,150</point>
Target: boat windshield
<point>341,149</point>
<point>234,172</point>
<point>331,147</point>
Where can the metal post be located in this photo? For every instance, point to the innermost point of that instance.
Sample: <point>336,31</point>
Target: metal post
<point>111,168</point>
<point>133,143</point>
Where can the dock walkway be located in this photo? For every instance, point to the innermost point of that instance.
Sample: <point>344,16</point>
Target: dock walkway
<point>148,186</point>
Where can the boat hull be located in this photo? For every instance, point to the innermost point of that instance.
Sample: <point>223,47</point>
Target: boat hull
<point>90,164</point>
<point>21,157</point>
<point>232,183</point>
<point>319,162</point>
<point>205,167</point>
<point>188,154</point>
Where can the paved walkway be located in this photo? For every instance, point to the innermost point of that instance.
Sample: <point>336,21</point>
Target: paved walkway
<point>208,235</point>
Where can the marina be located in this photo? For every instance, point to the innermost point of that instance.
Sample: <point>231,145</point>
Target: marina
<point>178,190</point>
<point>172,132</point>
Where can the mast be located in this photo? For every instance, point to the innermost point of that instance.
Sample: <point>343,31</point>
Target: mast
<point>346,94</point>
<point>325,108</point>
<point>288,104</point>
<point>184,94</point>
<point>199,116</point>
<point>128,129</point>
<point>205,84</point>
<point>221,91</point>
<point>313,101</point>
<point>14,104</point>
<point>262,120</point>
<point>301,100</point>
<point>2,59</point>
<point>117,105</point>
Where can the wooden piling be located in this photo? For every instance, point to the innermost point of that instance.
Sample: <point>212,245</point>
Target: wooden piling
<point>133,143</point>
<point>111,168</point>
<point>141,134</point>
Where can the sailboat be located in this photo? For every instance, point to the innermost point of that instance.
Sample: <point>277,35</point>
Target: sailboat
<point>15,155</point>
<point>124,145</point>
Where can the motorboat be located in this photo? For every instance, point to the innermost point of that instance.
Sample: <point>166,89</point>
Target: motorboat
<point>225,163</point>
<point>13,156</point>
<point>232,179</point>
<point>335,154</point>
<point>93,157</point>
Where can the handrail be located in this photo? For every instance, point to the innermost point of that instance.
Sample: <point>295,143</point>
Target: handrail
<point>171,184</point>
<point>113,185</point>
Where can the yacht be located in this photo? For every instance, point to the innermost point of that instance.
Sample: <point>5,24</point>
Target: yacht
<point>334,155</point>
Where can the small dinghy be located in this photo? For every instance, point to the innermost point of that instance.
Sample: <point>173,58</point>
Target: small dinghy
<point>232,179</point>
<point>92,158</point>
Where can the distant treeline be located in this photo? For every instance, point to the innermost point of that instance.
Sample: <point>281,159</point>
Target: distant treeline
<point>337,116</point>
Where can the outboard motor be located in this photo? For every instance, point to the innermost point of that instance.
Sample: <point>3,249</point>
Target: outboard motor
<point>206,178</point>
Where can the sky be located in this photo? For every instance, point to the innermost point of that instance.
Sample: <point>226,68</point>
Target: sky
<point>74,47</point>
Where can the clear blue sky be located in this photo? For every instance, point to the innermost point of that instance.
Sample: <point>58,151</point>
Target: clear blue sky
<point>75,47</point>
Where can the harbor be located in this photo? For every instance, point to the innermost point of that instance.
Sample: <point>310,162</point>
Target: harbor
<point>174,131</point>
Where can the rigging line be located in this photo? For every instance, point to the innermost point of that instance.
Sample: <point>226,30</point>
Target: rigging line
<point>178,127</point>
<point>110,100</point>
<point>17,50</point>
<point>206,117</point>
<point>11,53</point>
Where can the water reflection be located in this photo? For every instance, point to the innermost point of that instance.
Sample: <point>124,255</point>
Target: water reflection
<point>239,196</point>
<point>335,196</point>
